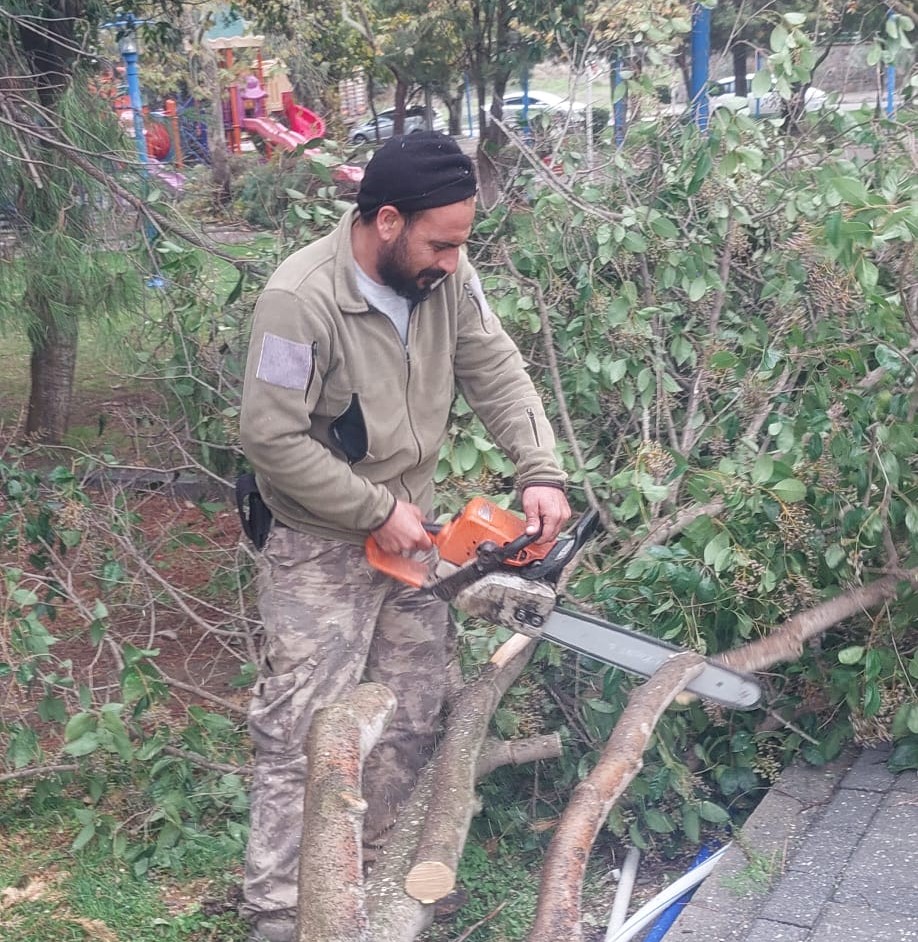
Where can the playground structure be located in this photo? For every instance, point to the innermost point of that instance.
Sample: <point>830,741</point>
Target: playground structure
<point>258,105</point>
<point>261,107</point>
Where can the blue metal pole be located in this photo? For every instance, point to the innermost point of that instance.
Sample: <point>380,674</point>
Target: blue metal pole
<point>758,101</point>
<point>701,53</point>
<point>468,103</point>
<point>890,81</point>
<point>619,106</point>
<point>133,83</point>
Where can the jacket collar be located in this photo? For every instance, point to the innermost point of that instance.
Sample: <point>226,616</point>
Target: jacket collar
<point>347,294</point>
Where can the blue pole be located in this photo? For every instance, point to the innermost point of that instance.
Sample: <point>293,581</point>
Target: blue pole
<point>701,53</point>
<point>133,83</point>
<point>671,913</point>
<point>758,101</point>
<point>890,81</point>
<point>468,103</point>
<point>619,106</point>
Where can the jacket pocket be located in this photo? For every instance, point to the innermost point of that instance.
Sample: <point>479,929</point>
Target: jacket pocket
<point>349,432</point>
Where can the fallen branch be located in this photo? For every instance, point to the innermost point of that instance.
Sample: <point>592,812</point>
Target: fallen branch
<point>36,771</point>
<point>559,908</point>
<point>332,903</point>
<point>454,773</point>
<point>786,642</point>
<point>500,752</point>
<point>666,528</point>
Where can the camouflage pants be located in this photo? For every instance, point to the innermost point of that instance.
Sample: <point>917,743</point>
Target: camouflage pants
<point>330,621</point>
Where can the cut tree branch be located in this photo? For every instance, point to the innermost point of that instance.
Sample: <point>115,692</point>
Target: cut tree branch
<point>332,901</point>
<point>559,907</point>
<point>786,642</point>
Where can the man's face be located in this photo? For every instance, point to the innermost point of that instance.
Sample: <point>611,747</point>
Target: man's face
<point>413,257</point>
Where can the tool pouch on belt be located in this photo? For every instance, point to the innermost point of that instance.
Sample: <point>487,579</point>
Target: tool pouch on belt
<point>253,511</point>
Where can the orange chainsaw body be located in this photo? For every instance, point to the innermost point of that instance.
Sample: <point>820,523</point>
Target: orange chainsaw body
<point>457,542</point>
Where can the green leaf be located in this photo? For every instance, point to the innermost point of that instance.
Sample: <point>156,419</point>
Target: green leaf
<point>834,556</point>
<point>84,837</point>
<point>615,370</point>
<point>715,547</point>
<point>763,469</point>
<point>691,824</point>
<point>790,490</point>
<point>851,655</point>
<point>697,289</point>
<point>659,822</point>
<point>713,813</point>
<point>911,717</point>
<point>724,360</point>
<point>904,756</point>
<point>83,746</point>
<point>79,725</point>
<point>850,189</point>
<point>600,706</point>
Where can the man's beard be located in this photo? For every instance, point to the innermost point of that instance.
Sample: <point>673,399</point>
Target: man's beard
<point>393,268</point>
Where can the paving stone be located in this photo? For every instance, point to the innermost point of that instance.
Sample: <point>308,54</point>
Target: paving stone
<point>883,870</point>
<point>702,925</point>
<point>834,835</point>
<point>869,771</point>
<point>862,924</point>
<point>767,931</point>
<point>799,896</point>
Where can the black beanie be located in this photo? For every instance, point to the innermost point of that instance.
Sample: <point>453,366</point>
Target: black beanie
<point>417,171</point>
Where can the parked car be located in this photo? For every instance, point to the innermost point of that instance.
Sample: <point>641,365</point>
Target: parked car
<point>415,120</point>
<point>535,103</point>
<point>722,94</point>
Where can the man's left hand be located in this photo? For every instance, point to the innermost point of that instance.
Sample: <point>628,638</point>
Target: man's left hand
<point>546,507</point>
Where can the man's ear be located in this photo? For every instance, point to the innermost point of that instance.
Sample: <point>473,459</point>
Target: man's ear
<point>389,223</point>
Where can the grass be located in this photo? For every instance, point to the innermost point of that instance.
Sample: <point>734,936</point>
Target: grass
<point>49,892</point>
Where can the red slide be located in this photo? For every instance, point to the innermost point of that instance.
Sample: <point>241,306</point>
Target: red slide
<point>301,119</point>
<point>274,132</point>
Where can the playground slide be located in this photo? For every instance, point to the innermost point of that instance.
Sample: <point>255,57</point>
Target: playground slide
<point>303,121</point>
<point>274,132</point>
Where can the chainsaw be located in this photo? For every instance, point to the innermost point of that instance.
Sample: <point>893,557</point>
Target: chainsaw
<point>485,564</point>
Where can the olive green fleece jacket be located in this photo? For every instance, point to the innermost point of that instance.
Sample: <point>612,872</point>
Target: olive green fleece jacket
<point>340,418</point>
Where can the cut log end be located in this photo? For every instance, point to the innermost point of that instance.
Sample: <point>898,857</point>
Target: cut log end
<point>429,881</point>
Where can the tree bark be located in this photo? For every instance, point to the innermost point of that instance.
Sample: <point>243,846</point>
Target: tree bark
<point>332,903</point>
<point>558,915</point>
<point>786,642</point>
<point>454,773</point>
<point>53,368</point>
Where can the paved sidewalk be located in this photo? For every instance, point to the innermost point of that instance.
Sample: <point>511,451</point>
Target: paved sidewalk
<point>830,855</point>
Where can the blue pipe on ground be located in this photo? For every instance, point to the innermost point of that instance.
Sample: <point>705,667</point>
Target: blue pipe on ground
<point>669,915</point>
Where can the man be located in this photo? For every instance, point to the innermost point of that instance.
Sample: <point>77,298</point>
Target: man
<point>358,344</point>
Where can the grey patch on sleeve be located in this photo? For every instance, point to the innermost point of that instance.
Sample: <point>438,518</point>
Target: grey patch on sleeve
<point>284,363</point>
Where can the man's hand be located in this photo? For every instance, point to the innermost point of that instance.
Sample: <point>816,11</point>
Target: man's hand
<point>403,532</point>
<point>545,506</point>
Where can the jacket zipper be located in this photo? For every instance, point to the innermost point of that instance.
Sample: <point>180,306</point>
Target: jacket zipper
<point>414,435</point>
<point>534,426</point>
<point>312,369</point>
<point>471,296</point>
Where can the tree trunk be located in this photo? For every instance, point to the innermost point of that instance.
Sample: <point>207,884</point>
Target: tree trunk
<point>401,97</point>
<point>739,69</point>
<point>219,159</point>
<point>53,367</point>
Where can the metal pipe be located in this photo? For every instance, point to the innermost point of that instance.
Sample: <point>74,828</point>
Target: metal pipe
<point>701,53</point>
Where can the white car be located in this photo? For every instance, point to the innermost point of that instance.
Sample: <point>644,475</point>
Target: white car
<point>534,103</point>
<point>722,95</point>
<point>415,120</point>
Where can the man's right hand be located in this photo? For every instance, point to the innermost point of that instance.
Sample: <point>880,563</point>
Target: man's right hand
<point>403,532</point>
